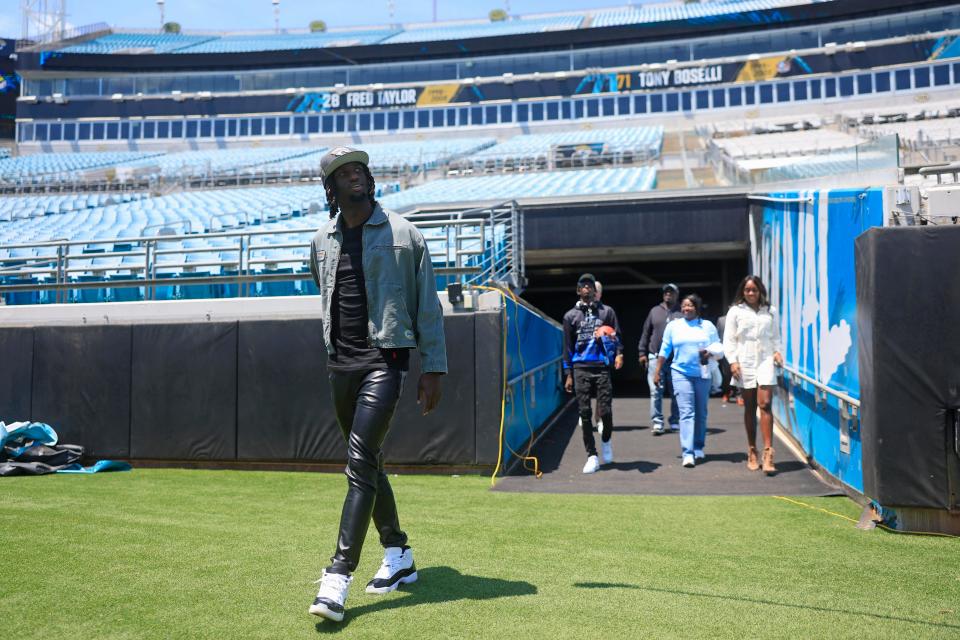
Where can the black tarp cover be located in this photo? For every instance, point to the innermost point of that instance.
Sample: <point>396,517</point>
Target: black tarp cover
<point>908,315</point>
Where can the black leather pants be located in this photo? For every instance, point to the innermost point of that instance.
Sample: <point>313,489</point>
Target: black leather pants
<point>364,402</point>
<point>587,382</point>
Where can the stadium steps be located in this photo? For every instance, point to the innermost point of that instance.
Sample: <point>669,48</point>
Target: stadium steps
<point>706,177</point>
<point>671,143</point>
<point>671,179</point>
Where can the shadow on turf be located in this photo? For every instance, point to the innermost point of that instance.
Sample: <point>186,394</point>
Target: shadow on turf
<point>878,616</point>
<point>434,585</point>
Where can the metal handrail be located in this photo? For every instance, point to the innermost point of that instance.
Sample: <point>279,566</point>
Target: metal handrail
<point>819,385</point>
<point>494,228</point>
<point>529,372</point>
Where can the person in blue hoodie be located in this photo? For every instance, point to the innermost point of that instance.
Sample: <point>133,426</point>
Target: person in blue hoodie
<point>591,343</point>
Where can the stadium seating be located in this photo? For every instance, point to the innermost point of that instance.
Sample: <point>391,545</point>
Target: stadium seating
<point>137,43</point>
<point>15,207</point>
<point>125,42</point>
<point>282,42</point>
<point>223,161</point>
<point>797,143</point>
<point>56,166</point>
<point>773,124</point>
<point>835,164</point>
<point>425,154</point>
<point>676,11</point>
<point>527,185</point>
<point>485,29</point>
<point>920,134</point>
<point>541,150</point>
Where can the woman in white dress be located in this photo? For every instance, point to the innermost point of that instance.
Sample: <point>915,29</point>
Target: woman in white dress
<point>751,342</point>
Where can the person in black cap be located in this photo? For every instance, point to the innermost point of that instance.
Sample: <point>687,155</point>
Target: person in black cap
<point>649,347</point>
<point>590,343</point>
<point>378,300</point>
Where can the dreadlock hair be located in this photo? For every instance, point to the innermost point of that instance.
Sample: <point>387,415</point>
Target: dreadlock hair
<point>330,188</point>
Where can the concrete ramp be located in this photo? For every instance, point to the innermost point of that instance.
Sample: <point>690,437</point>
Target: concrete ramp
<point>650,465</point>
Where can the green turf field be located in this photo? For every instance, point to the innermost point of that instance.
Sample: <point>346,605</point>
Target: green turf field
<point>224,554</point>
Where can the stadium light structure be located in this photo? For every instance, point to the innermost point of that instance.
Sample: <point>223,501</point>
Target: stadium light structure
<point>43,20</point>
<point>161,4</point>
<point>276,15</point>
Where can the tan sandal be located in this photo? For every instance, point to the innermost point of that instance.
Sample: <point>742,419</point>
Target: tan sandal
<point>752,463</point>
<point>768,467</point>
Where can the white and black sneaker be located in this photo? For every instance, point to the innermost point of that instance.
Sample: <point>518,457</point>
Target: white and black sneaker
<point>606,451</point>
<point>397,568</point>
<point>333,593</point>
<point>592,465</point>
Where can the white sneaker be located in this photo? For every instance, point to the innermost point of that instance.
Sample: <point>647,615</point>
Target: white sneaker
<point>688,461</point>
<point>333,593</point>
<point>592,466</point>
<point>699,455</point>
<point>397,568</point>
<point>658,430</point>
<point>606,451</point>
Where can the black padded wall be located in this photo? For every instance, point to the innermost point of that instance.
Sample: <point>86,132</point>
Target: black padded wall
<point>184,391</point>
<point>16,373</point>
<point>908,316</point>
<point>488,364</point>
<point>284,410</point>
<point>250,390</point>
<point>81,386</point>
<point>446,436</point>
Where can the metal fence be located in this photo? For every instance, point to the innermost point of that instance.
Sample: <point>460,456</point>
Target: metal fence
<point>478,246</point>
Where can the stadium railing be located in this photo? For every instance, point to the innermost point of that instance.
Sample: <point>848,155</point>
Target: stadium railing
<point>476,246</point>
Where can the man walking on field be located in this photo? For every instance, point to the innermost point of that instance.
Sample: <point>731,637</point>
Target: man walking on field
<point>378,300</point>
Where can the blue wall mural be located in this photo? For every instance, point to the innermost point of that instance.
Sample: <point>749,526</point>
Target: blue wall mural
<point>803,248</point>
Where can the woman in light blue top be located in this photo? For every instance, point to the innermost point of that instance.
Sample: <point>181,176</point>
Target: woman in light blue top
<point>692,341</point>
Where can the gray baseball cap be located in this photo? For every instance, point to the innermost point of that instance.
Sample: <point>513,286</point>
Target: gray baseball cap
<point>675,288</point>
<point>336,158</point>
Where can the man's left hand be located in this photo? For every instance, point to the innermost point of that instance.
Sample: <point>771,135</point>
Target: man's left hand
<point>618,361</point>
<point>428,391</point>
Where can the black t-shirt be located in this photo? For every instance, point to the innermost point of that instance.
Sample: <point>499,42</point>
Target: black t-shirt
<point>348,314</point>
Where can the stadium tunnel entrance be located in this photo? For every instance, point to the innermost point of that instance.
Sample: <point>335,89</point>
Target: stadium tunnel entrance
<point>633,247</point>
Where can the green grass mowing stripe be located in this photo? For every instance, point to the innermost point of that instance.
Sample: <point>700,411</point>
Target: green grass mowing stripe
<point>203,554</point>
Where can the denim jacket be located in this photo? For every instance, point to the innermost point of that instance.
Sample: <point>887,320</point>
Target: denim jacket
<point>402,304</point>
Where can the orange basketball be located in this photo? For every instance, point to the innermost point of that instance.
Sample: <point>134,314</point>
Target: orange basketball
<point>605,330</point>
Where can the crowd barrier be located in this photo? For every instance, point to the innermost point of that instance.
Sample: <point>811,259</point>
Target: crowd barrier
<point>245,381</point>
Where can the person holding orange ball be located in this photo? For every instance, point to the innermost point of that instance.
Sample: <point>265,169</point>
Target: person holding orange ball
<point>590,345</point>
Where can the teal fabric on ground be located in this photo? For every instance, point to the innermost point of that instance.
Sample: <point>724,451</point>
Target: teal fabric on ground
<point>99,465</point>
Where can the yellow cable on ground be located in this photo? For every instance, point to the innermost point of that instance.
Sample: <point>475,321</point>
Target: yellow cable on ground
<point>849,519</point>
<point>503,401</point>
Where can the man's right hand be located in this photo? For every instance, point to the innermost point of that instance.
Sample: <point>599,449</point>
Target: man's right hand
<point>568,384</point>
<point>735,370</point>
<point>643,361</point>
